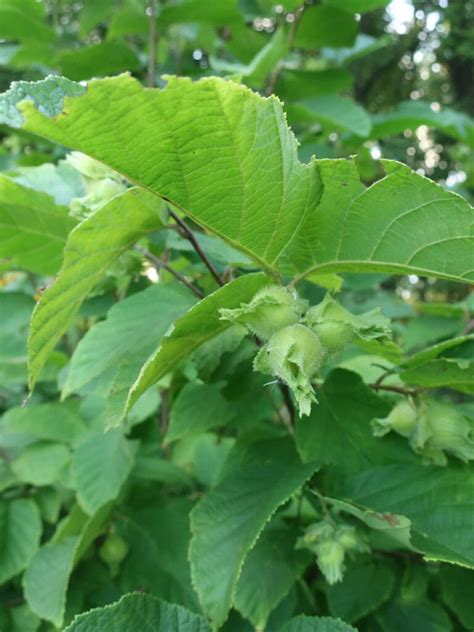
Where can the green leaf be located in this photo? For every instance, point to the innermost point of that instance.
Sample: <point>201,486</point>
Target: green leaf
<point>316,624</point>
<point>41,463</point>
<point>439,502</point>
<point>442,373</point>
<point>223,13</point>
<point>61,182</point>
<point>100,467</point>
<point>20,532</point>
<point>412,114</point>
<point>420,358</point>
<point>33,229</point>
<point>238,175</point>
<point>296,85</point>
<point>365,587</point>
<point>53,421</point>
<point>262,65</point>
<point>457,588</point>
<point>24,20</point>
<point>90,250</point>
<point>137,613</point>
<point>198,408</point>
<point>326,26</point>
<point>98,60</point>
<point>228,520</point>
<point>423,614</point>
<point>338,430</point>
<point>269,572</point>
<point>332,111</point>
<point>357,6</point>
<point>54,561</point>
<point>158,537</point>
<point>200,324</point>
<point>109,357</point>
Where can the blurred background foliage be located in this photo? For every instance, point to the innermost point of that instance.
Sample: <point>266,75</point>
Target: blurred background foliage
<point>370,78</point>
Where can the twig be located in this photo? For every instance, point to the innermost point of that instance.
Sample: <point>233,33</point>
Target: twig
<point>159,264</point>
<point>396,389</point>
<point>273,78</point>
<point>469,327</point>
<point>384,375</point>
<point>188,233</point>
<point>152,44</point>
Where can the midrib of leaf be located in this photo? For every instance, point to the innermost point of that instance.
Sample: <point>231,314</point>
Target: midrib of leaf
<point>225,156</point>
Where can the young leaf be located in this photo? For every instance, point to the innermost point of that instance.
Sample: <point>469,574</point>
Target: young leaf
<point>100,467</point>
<point>338,431</point>
<point>226,157</point>
<point>439,502</point>
<point>200,324</point>
<point>90,250</point>
<point>269,572</point>
<point>137,613</point>
<point>109,357</point>
<point>20,532</point>
<point>33,229</point>
<point>351,599</point>
<point>54,561</point>
<point>316,624</point>
<point>228,520</point>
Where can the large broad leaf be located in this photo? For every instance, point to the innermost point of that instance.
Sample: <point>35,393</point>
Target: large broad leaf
<point>316,624</point>
<point>332,111</point>
<point>367,584</point>
<point>228,520</point>
<point>20,532</point>
<point>269,572</point>
<point>33,229</point>
<point>357,6</point>
<point>439,501</point>
<point>197,326</point>
<point>24,20</point>
<point>41,463</point>
<point>157,561</point>
<point>326,26</point>
<point>100,467</point>
<point>338,430</point>
<point>52,421</point>
<point>139,613</point>
<point>109,357</point>
<point>98,60</point>
<point>226,157</point>
<point>56,559</point>
<point>443,372</point>
<point>412,114</point>
<point>91,249</point>
<point>457,588</point>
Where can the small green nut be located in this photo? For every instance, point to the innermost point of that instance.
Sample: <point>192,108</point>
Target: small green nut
<point>402,419</point>
<point>334,335</point>
<point>293,354</point>
<point>271,309</point>
<point>113,550</point>
<point>441,429</point>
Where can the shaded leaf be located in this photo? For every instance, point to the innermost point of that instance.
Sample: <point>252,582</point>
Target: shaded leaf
<point>229,519</point>
<point>20,532</point>
<point>200,324</point>
<point>137,613</point>
<point>33,229</point>
<point>91,249</point>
